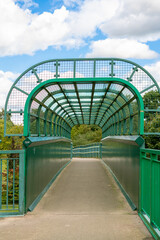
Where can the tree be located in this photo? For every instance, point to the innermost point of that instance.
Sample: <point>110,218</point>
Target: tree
<point>152,99</point>
<point>153,141</point>
<point>10,143</point>
<point>85,134</point>
<point>152,120</point>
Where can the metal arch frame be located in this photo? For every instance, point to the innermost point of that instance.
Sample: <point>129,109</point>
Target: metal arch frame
<point>81,80</point>
<point>56,64</point>
<point>61,105</point>
<point>82,59</point>
<point>111,91</point>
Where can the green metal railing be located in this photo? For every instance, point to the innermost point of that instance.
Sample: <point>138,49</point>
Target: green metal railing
<point>45,159</point>
<point>149,205</point>
<point>88,151</point>
<point>12,167</point>
<point>121,155</point>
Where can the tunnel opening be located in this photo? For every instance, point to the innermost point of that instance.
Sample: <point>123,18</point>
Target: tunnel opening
<point>85,134</point>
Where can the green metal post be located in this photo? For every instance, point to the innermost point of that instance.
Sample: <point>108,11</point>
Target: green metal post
<point>22,157</point>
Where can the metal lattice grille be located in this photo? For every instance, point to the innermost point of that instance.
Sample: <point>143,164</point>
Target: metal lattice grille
<point>89,99</point>
<point>109,105</point>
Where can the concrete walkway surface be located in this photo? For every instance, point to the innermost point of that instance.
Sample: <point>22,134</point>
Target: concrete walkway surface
<point>84,203</point>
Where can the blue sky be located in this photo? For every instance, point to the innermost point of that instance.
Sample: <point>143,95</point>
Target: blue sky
<point>33,31</point>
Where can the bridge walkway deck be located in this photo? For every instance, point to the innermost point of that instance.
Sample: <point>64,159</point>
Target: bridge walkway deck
<point>84,203</point>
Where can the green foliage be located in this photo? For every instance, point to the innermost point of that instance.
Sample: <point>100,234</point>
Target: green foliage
<point>153,142</point>
<point>9,143</point>
<point>85,134</point>
<point>152,121</point>
<point>151,99</point>
<point>13,184</point>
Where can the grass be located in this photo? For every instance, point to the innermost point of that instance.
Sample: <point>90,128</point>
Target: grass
<point>9,208</point>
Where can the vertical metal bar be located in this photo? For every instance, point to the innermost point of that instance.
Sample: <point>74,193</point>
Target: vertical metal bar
<point>58,126</point>
<point>124,126</point>
<point>74,69</point>
<point>131,125</point>
<point>0,183</point>
<point>55,125</point>
<point>45,122</point>
<point>119,127</point>
<point>140,182</point>
<point>37,125</point>
<point>141,122</point>
<point>94,69</point>
<point>151,160</point>
<point>38,121</point>
<point>53,122</point>
<point>29,121</point>
<point>5,116</point>
<point>100,149</point>
<point>7,184</point>
<point>13,183</point>
<point>71,150</point>
<point>56,64</point>
<point>112,63</point>
<point>22,156</point>
<point>50,126</point>
<point>153,157</point>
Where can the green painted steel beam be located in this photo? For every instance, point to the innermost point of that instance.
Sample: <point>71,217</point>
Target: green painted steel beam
<point>55,100</point>
<point>86,60</point>
<point>127,103</point>
<point>21,90</point>
<point>77,93</point>
<point>135,69</point>
<point>114,101</point>
<point>67,99</point>
<point>121,120</point>
<point>148,88</point>
<point>26,130</point>
<point>111,104</point>
<point>91,102</point>
<point>35,73</point>
<point>102,101</point>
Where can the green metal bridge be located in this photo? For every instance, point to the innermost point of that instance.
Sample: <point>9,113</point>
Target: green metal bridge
<point>50,98</point>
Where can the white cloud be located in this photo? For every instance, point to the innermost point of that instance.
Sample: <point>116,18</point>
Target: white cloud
<point>90,16</point>
<point>122,48</point>
<point>135,19</point>
<point>6,81</point>
<point>154,70</point>
<point>23,32</point>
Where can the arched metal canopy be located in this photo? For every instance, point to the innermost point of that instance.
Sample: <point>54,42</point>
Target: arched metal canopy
<point>54,107</point>
<point>51,97</point>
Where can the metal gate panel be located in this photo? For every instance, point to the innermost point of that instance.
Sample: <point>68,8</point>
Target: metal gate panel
<point>12,182</point>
